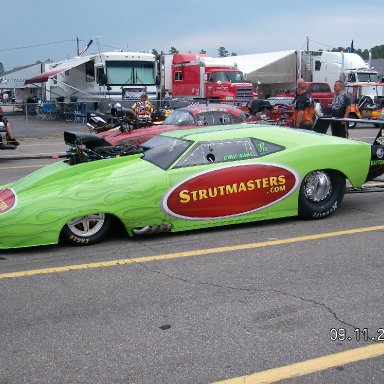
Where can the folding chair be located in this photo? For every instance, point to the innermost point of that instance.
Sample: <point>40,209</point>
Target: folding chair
<point>47,111</point>
<point>80,114</point>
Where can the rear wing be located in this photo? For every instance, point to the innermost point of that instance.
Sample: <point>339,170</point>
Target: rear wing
<point>376,162</point>
<point>322,125</point>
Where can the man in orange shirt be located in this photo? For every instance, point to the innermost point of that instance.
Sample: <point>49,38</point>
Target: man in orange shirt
<point>304,107</point>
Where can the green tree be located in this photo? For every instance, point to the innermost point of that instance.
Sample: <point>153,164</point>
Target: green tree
<point>338,49</point>
<point>365,54</point>
<point>222,52</point>
<point>154,52</point>
<point>173,50</point>
<point>1,68</point>
<point>377,52</point>
<point>203,51</point>
<point>233,54</point>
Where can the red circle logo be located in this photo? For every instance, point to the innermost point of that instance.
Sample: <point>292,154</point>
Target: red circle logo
<point>230,191</point>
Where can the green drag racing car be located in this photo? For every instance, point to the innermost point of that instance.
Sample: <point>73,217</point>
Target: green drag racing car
<point>184,180</point>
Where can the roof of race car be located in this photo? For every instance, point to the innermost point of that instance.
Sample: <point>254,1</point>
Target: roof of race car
<point>263,132</point>
<point>199,108</point>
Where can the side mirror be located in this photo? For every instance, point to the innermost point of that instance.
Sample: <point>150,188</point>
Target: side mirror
<point>104,79</point>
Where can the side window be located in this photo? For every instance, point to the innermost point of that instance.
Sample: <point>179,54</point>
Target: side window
<point>218,152</point>
<point>217,118</point>
<point>90,71</point>
<point>265,148</point>
<point>204,118</point>
<point>179,76</point>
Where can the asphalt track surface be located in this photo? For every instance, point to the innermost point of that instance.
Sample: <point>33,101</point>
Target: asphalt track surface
<point>254,303</point>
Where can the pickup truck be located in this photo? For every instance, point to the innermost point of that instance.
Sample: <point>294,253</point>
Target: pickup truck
<point>320,91</point>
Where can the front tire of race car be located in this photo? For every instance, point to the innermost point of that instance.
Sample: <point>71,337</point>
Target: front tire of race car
<point>321,193</point>
<point>86,230</point>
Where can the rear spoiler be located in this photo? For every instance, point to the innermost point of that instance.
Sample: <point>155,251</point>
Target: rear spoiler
<point>376,163</point>
<point>322,124</point>
<point>90,140</point>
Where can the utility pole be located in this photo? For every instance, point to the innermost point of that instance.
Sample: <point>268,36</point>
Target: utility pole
<point>77,46</point>
<point>307,43</point>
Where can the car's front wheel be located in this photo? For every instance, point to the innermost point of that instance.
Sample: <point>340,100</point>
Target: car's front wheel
<point>87,230</point>
<point>321,193</point>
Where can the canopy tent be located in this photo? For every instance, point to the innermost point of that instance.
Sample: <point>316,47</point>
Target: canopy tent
<point>268,68</point>
<point>62,67</point>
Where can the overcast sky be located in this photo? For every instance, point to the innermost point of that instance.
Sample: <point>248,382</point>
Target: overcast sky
<point>47,29</point>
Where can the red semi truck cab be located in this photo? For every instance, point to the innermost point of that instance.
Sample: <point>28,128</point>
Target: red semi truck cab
<point>200,77</point>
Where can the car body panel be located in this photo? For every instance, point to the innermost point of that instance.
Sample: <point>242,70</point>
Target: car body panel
<point>141,194</point>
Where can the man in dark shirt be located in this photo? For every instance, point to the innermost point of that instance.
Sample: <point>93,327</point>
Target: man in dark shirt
<point>341,107</point>
<point>304,107</point>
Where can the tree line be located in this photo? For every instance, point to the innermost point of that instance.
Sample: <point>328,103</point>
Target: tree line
<point>221,52</point>
<point>377,52</point>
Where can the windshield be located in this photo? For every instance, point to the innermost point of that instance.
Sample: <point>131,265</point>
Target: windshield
<point>163,151</point>
<point>233,77</point>
<point>179,117</point>
<point>130,72</point>
<point>367,76</point>
<point>356,92</point>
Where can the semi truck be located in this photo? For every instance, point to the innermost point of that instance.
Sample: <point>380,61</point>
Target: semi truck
<point>332,66</point>
<point>278,71</point>
<point>197,77</point>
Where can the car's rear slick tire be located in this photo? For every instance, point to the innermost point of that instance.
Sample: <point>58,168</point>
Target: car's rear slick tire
<point>321,193</point>
<point>86,230</point>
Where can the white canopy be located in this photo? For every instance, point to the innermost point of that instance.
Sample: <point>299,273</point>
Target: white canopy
<point>268,68</point>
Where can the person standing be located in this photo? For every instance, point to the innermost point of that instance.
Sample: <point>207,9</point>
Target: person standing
<point>341,107</point>
<point>143,109</point>
<point>303,107</point>
<point>8,129</point>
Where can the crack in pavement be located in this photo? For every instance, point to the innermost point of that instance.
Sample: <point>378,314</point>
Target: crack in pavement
<point>252,289</point>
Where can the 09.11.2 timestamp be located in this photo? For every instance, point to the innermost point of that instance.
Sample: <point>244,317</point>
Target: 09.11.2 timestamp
<point>358,334</point>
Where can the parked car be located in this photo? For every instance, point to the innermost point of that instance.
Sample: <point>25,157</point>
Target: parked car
<point>198,115</point>
<point>186,180</point>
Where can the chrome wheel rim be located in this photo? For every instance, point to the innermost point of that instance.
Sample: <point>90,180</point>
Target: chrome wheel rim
<point>317,186</point>
<point>86,226</point>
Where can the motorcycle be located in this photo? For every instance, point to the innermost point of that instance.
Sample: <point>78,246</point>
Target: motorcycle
<point>122,118</point>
